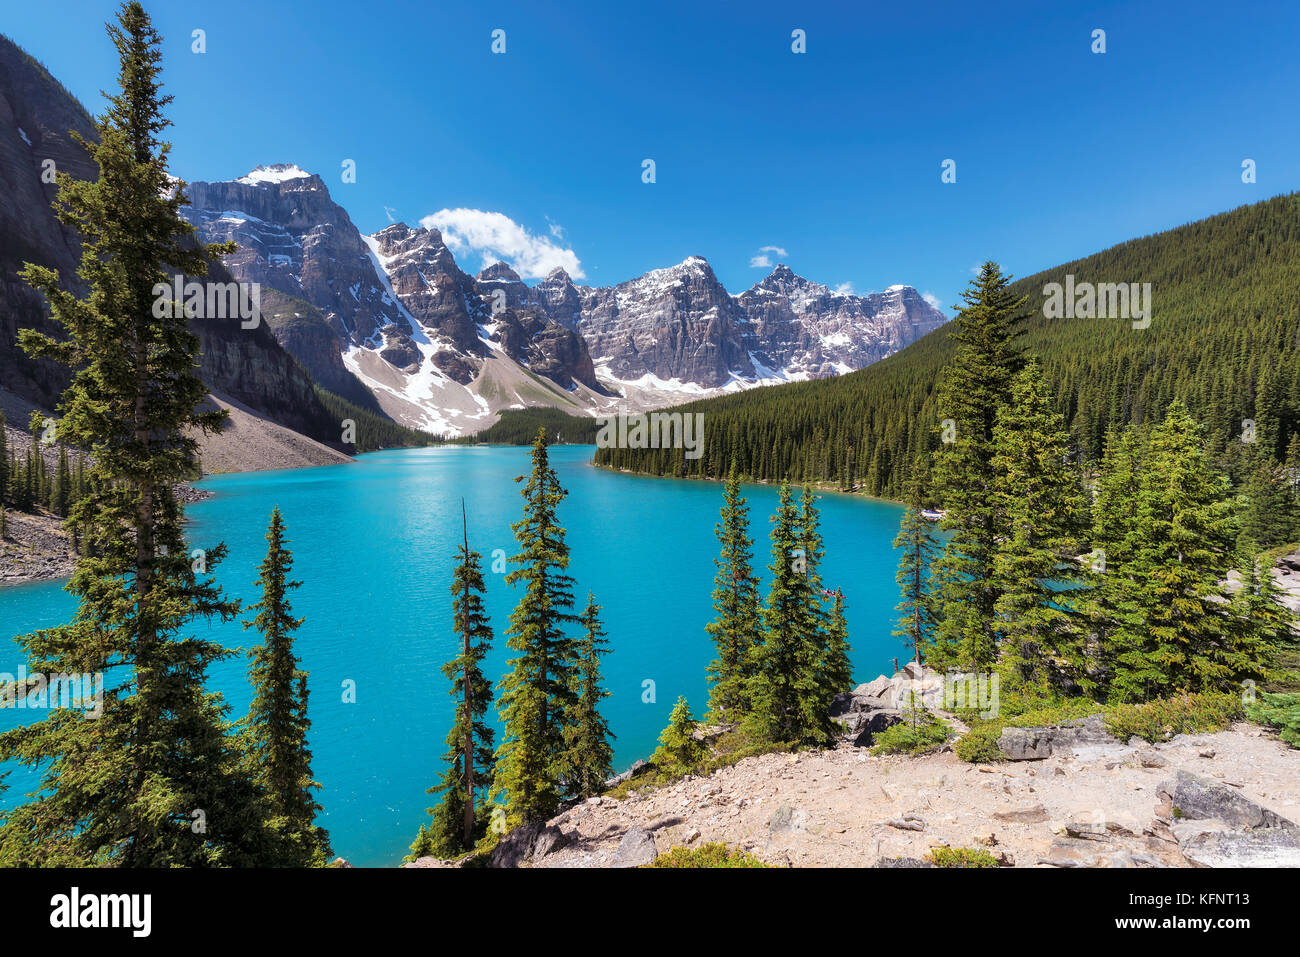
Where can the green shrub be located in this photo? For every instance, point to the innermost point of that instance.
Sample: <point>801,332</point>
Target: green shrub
<point>980,744</point>
<point>961,857</point>
<point>1160,720</point>
<point>715,854</point>
<point>927,734</point>
<point>1281,711</point>
<point>679,751</point>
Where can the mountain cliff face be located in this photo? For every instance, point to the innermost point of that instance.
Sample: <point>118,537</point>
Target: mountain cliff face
<point>676,325</point>
<point>36,115</point>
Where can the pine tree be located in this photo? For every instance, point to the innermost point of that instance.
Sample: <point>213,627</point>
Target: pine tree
<point>1291,470</point>
<point>155,780</point>
<point>1039,621</point>
<point>839,668</point>
<point>458,819</point>
<point>975,385</point>
<point>589,757</point>
<point>916,611</point>
<point>537,693</point>
<point>786,698</point>
<point>736,631</point>
<point>1173,612</point>
<point>277,720</point>
<point>829,645</point>
<point>62,496</point>
<point>1267,515</point>
<point>679,751</point>
<point>1113,509</point>
<point>1264,624</point>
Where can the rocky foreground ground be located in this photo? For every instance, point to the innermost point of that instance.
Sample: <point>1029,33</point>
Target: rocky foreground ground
<point>1068,795</point>
<point>1225,799</point>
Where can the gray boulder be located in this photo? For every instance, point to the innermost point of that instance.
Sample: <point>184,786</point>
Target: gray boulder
<point>852,723</point>
<point>787,819</point>
<point>1191,797</point>
<point>1265,847</point>
<point>551,839</point>
<point>855,702</point>
<point>873,723</point>
<point>1034,744</point>
<point>525,843</point>
<point>635,850</point>
<point>874,689</point>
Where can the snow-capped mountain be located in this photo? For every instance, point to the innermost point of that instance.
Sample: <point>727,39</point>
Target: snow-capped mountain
<point>391,320</point>
<point>677,332</point>
<point>805,330</point>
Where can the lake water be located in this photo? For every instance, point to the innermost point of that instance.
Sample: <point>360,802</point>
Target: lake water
<point>374,544</point>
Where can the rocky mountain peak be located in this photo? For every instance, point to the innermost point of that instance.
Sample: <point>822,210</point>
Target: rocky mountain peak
<point>498,272</point>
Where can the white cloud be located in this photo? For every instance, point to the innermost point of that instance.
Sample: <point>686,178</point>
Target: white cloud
<point>764,261</point>
<point>497,237</point>
<point>844,289</point>
<point>933,300</point>
<point>388,211</point>
<point>556,229</point>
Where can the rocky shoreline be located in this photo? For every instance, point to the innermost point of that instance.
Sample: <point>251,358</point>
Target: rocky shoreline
<point>37,548</point>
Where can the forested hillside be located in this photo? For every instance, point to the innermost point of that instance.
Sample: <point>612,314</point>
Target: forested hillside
<point>1224,337</point>
<point>519,427</point>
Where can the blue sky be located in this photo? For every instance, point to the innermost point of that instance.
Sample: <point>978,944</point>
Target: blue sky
<point>832,156</point>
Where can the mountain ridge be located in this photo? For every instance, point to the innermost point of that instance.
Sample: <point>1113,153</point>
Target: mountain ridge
<point>444,350</point>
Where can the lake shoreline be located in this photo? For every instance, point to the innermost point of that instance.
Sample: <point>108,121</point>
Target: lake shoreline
<point>825,487</point>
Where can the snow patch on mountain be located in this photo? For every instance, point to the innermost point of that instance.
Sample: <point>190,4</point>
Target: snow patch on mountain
<point>275,173</point>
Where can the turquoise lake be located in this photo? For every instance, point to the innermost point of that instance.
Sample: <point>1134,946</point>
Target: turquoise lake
<point>374,543</point>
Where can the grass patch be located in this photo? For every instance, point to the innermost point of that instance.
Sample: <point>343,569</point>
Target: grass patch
<point>1151,721</point>
<point>715,854</point>
<point>961,857</point>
